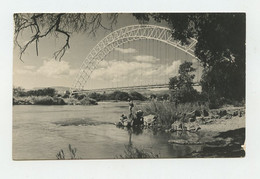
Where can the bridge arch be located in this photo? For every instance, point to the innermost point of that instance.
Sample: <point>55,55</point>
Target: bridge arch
<point>121,36</point>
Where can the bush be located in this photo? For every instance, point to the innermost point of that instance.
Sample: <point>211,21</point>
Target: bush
<point>184,95</point>
<point>88,101</point>
<point>97,96</point>
<point>131,152</point>
<point>137,96</point>
<point>169,112</point>
<point>58,101</point>
<point>46,100</point>
<point>118,95</point>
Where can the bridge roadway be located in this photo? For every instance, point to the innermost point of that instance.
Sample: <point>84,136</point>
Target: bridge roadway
<point>156,86</point>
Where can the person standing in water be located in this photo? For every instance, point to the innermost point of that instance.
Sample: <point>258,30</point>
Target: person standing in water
<point>131,105</point>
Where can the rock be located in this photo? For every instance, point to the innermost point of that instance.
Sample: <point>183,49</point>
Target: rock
<point>222,113</point>
<point>185,142</point>
<point>149,120</point>
<point>235,113</point>
<point>175,126</point>
<point>179,126</point>
<point>215,117</point>
<point>192,119</point>
<point>241,113</point>
<point>228,116</point>
<point>200,119</point>
<point>197,113</point>
<point>188,116</point>
<point>208,121</point>
<point>193,127</point>
<point>205,112</point>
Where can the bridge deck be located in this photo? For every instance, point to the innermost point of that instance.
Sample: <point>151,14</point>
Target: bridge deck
<point>156,86</point>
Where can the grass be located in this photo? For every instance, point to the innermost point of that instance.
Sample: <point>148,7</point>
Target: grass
<point>72,154</point>
<point>132,152</point>
<point>168,112</point>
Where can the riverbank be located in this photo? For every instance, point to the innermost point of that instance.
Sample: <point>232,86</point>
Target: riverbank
<point>219,132</point>
<point>48,100</point>
<point>220,136</point>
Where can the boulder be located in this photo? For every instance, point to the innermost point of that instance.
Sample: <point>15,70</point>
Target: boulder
<point>179,126</point>
<point>222,113</point>
<point>197,113</point>
<point>235,113</point>
<point>185,142</point>
<point>205,112</point>
<point>149,120</point>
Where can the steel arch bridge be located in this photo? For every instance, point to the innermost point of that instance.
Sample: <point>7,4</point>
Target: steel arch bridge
<point>121,36</point>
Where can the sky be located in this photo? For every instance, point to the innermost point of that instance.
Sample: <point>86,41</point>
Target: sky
<point>135,63</point>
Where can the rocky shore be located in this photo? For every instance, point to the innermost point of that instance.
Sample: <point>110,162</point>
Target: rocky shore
<point>221,133</point>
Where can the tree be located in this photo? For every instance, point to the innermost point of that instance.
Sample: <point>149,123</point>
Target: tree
<point>220,38</point>
<point>18,91</point>
<point>43,25</point>
<point>181,86</point>
<point>220,47</point>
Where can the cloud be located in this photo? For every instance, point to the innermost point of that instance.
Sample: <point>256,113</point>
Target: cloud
<point>127,50</point>
<point>29,67</point>
<point>146,58</point>
<point>172,69</point>
<point>135,72</point>
<point>119,69</point>
<point>54,68</point>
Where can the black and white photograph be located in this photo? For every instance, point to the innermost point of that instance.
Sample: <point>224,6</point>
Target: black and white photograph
<point>128,86</point>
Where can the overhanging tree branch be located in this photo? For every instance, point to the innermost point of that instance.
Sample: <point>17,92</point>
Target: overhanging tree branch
<point>44,25</point>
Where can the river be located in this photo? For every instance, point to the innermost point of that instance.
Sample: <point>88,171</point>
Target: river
<point>40,132</point>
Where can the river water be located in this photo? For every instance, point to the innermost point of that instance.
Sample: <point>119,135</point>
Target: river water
<point>40,132</point>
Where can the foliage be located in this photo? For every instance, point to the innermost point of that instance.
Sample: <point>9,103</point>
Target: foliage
<point>169,112</point>
<point>42,92</point>
<point>220,47</point>
<point>18,91</point>
<point>88,101</point>
<point>43,100</point>
<point>132,152</point>
<point>72,152</point>
<point>223,81</point>
<point>181,87</point>
<point>44,25</point>
<point>98,96</point>
<point>38,100</point>
<point>220,40</point>
<point>66,95</point>
<point>137,96</point>
<point>118,95</point>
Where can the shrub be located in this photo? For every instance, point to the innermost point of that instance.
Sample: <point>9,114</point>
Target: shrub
<point>169,112</point>
<point>131,152</point>
<point>58,101</point>
<point>97,96</point>
<point>46,100</point>
<point>72,152</point>
<point>137,96</point>
<point>118,95</point>
<point>88,101</point>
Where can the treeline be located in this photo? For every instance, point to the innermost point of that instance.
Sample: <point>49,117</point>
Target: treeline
<point>116,95</point>
<point>49,96</point>
<point>182,90</point>
<point>20,92</point>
